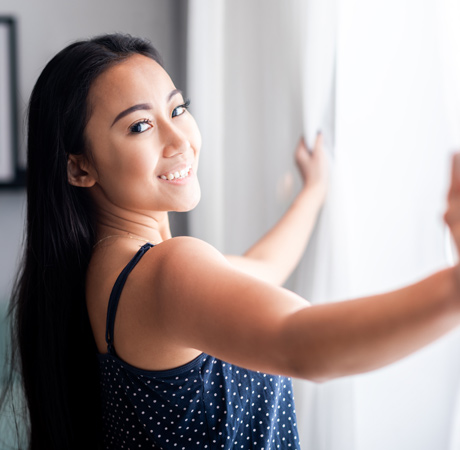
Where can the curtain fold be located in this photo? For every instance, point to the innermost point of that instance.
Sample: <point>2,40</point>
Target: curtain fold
<point>449,49</point>
<point>205,83</point>
<point>325,412</point>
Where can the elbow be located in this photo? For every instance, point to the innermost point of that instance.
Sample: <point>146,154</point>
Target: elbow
<point>320,379</point>
<point>317,378</point>
<point>321,370</point>
<point>306,354</point>
<point>310,371</point>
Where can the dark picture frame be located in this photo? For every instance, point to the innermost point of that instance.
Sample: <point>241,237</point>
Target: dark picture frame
<point>11,172</point>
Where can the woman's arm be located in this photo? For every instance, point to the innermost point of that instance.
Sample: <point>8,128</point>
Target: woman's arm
<point>274,257</point>
<point>197,300</point>
<point>205,304</point>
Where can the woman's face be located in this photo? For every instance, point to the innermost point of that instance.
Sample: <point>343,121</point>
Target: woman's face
<point>144,144</point>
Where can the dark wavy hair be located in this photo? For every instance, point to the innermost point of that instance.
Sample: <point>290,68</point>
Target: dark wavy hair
<point>52,343</point>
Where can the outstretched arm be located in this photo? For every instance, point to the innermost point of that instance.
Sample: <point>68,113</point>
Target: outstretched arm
<point>201,302</point>
<point>217,309</point>
<point>277,253</point>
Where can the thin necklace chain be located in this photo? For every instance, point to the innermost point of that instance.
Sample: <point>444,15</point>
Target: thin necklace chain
<point>129,236</point>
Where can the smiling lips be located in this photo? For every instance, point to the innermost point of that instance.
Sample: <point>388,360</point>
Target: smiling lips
<point>177,175</point>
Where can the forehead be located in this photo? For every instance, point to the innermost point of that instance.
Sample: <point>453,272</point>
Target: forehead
<point>135,80</point>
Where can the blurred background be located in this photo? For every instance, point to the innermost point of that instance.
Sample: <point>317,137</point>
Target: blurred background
<point>381,80</point>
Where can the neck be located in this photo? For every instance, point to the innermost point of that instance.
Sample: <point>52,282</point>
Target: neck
<point>152,227</point>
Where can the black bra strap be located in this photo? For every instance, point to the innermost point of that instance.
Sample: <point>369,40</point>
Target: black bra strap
<point>116,292</point>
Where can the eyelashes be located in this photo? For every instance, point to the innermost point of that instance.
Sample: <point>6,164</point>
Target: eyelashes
<point>184,107</point>
<point>141,126</point>
<point>146,124</point>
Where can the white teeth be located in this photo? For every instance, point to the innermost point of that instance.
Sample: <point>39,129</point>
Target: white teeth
<point>177,175</point>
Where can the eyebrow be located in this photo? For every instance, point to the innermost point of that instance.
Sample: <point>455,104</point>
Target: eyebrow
<point>143,106</point>
<point>173,93</point>
<point>140,106</point>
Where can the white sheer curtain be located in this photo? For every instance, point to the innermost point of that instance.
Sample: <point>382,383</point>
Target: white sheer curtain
<point>380,79</point>
<point>244,85</point>
<point>395,136</point>
<point>325,412</point>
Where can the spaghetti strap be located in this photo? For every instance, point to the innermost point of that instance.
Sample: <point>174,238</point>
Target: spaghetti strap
<point>201,404</point>
<point>115,295</point>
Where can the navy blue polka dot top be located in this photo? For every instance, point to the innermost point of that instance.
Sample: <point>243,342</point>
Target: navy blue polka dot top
<point>204,404</point>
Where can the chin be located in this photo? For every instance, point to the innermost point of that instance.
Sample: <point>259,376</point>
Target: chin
<point>190,204</point>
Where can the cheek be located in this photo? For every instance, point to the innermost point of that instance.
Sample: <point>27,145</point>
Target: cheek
<point>126,172</point>
<point>133,162</point>
<point>127,158</point>
<point>195,136</point>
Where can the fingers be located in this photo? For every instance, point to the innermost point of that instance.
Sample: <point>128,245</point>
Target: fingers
<point>453,198</point>
<point>303,152</point>
<point>302,146</point>
<point>452,214</point>
<point>312,165</point>
<point>319,142</point>
<point>455,175</point>
<point>316,147</point>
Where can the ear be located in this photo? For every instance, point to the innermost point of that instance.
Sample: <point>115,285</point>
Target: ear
<point>79,171</point>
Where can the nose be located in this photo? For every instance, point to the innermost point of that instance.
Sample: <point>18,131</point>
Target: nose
<point>174,140</point>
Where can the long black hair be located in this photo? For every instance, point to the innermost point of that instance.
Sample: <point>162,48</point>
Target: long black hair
<point>52,343</point>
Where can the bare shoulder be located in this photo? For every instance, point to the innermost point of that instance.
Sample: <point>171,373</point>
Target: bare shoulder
<point>155,286</point>
<point>185,253</point>
<point>187,263</point>
<point>183,298</point>
<point>189,246</point>
<point>165,260</point>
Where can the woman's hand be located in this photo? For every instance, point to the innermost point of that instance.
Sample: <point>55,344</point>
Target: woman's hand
<point>452,214</point>
<point>313,167</point>
<point>277,253</point>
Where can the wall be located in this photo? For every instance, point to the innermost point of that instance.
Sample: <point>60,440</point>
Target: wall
<point>45,27</point>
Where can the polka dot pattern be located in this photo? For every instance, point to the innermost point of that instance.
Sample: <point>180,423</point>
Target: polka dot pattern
<point>205,404</point>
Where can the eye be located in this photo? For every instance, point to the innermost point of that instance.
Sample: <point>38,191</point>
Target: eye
<point>140,127</point>
<point>179,110</point>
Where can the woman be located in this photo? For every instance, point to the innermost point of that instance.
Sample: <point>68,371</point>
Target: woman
<point>166,331</point>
